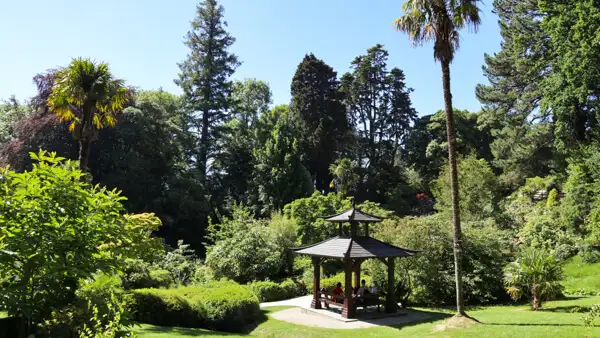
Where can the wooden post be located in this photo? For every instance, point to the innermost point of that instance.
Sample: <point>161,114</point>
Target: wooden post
<point>353,227</point>
<point>390,303</point>
<point>367,229</point>
<point>341,232</point>
<point>316,304</point>
<point>348,311</point>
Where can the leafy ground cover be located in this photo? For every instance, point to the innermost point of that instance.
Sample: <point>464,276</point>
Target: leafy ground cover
<point>557,319</point>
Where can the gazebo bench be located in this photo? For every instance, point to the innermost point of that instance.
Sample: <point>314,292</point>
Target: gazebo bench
<point>366,301</point>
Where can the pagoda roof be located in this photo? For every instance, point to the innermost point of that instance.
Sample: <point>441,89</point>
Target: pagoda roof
<point>358,247</point>
<point>353,214</point>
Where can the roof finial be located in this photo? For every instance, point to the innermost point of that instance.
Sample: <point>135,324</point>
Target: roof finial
<point>353,202</point>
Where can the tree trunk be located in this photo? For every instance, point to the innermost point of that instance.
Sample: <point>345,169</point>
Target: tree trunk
<point>203,151</point>
<point>536,302</point>
<point>454,185</point>
<point>84,154</point>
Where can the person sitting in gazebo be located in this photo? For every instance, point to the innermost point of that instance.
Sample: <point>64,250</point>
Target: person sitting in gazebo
<point>338,293</point>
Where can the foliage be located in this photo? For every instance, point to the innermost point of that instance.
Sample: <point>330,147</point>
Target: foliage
<point>590,255</point>
<point>54,230</point>
<point>478,189</point>
<point>224,306</point>
<point>429,275</point>
<point>380,111</point>
<point>330,282</point>
<point>86,94</point>
<point>250,99</point>
<point>246,249</point>
<point>141,244</point>
<point>308,212</point>
<point>279,174</point>
<point>138,274</point>
<point>101,309</point>
<point>11,114</point>
<point>181,263</point>
<point>317,101</point>
<point>590,317</point>
<point>268,291</point>
<point>535,275</point>
<point>204,78</point>
<point>344,175</point>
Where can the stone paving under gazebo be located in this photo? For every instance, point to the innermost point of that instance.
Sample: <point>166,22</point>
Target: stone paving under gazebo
<point>302,314</point>
<point>353,249</point>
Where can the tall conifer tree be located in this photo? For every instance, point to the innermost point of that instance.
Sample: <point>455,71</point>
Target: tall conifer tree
<point>204,78</point>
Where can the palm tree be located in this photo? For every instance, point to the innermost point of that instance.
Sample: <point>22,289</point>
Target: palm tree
<point>439,21</point>
<point>86,94</point>
<point>344,174</point>
<point>535,274</point>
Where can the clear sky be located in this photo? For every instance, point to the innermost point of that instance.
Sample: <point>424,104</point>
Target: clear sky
<point>142,42</point>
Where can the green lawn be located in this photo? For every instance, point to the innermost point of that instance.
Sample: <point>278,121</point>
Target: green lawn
<point>581,276</point>
<point>556,320</point>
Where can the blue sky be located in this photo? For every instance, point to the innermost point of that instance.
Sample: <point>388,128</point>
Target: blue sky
<point>142,42</point>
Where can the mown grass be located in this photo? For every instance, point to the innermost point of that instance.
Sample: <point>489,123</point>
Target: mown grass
<point>579,275</point>
<point>557,319</point>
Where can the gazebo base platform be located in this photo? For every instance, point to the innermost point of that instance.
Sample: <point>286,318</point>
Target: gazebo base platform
<point>329,319</point>
<point>368,314</point>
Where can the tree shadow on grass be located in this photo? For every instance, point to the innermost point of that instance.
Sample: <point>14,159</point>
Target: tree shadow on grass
<point>567,309</point>
<point>173,331</point>
<point>170,331</point>
<point>533,324</point>
<point>413,317</point>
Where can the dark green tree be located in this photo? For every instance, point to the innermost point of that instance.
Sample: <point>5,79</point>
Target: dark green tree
<point>316,100</point>
<point>573,86</point>
<point>204,79</point>
<point>522,128</point>
<point>380,112</point>
<point>235,162</point>
<point>279,175</point>
<point>426,143</point>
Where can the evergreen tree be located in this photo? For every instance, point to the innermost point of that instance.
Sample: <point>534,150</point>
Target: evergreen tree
<point>380,111</point>
<point>325,129</point>
<point>204,78</point>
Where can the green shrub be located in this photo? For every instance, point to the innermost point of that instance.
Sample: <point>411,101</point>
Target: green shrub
<point>223,306</point>
<point>101,309</point>
<point>138,274</point>
<point>330,282</point>
<point>590,255</point>
<point>267,291</point>
<point>203,275</point>
<point>429,275</point>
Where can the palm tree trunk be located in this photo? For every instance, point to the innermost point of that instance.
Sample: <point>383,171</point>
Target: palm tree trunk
<point>454,185</point>
<point>84,154</point>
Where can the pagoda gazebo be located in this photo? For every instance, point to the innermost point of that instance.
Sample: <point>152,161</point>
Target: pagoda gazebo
<point>353,249</point>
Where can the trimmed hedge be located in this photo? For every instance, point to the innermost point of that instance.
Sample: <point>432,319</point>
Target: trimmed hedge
<point>267,291</point>
<point>223,306</point>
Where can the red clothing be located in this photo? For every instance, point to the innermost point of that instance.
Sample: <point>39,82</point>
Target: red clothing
<point>337,292</point>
